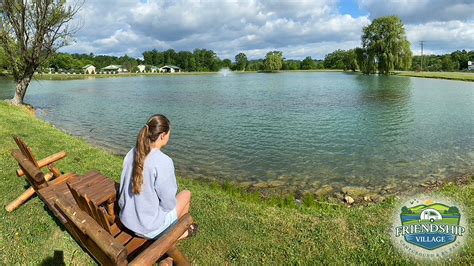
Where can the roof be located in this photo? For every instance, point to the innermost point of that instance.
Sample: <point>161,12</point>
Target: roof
<point>87,66</point>
<point>111,67</point>
<point>170,66</point>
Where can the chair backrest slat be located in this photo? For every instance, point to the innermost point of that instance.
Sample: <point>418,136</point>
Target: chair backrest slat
<point>25,150</point>
<point>98,213</point>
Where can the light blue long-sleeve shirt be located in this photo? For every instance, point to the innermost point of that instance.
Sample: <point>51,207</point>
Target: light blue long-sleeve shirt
<point>145,212</point>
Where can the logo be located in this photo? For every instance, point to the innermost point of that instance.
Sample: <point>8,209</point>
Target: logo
<point>429,228</point>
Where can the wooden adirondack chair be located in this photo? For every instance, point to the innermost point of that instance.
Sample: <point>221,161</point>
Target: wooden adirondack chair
<point>86,206</point>
<point>48,162</point>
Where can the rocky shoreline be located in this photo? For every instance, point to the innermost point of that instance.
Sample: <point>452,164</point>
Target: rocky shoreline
<point>347,195</point>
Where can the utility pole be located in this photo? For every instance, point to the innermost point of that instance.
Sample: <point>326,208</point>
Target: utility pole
<point>421,43</point>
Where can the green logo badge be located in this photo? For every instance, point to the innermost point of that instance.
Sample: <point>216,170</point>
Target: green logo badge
<point>429,228</point>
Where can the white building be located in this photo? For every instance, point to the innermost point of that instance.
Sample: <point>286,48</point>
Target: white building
<point>113,69</point>
<point>141,68</point>
<point>470,65</point>
<point>88,69</point>
<point>169,69</point>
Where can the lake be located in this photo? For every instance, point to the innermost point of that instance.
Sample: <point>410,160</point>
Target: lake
<point>305,128</point>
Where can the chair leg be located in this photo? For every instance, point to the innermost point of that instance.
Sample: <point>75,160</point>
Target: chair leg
<point>25,196</point>
<point>177,256</point>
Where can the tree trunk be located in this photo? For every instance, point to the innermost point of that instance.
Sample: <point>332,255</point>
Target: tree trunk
<point>21,87</point>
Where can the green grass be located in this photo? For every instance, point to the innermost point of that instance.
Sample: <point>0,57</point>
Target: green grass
<point>235,227</point>
<point>121,75</point>
<point>463,76</point>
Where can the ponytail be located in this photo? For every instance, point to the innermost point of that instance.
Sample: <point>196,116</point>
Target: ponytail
<point>156,125</point>
<point>142,148</point>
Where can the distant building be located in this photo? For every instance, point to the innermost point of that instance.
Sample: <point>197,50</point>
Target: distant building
<point>88,69</point>
<point>169,69</point>
<point>154,69</point>
<point>141,68</point>
<point>113,69</point>
<point>470,65</point>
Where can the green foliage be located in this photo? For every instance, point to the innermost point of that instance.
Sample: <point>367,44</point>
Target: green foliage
<point>198,60</point>
<point>455,61</point>
<point>335,60</point>
<point>291,65</point>
<point>30,33</point>
<point>241,61</point>
<point>273,61</point>
<point>384,47</point>
<point>226,63</point>
<point>255,65</point>
<point>350,60</point>
<point>341,59</point>
<point>308,63</point>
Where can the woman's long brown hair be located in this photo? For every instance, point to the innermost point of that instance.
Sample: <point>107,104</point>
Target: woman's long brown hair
<point>150,132</point>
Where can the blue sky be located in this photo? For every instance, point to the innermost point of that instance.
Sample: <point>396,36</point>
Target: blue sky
<point>351,7</point>
<point>299,28</point>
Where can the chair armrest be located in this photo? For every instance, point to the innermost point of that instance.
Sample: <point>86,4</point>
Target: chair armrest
<point>46,161</point>
<point>152,253</point>
<point>115,251</point>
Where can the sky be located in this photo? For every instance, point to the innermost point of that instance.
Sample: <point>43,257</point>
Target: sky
<point>298,28</point>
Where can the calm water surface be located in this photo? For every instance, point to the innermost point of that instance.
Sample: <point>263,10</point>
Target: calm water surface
<point>304,128</point>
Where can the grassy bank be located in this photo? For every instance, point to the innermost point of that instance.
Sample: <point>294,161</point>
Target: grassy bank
<point>125,75</point>
<point>234,227</point>
<point>121,75</point>
<point>463,76</point>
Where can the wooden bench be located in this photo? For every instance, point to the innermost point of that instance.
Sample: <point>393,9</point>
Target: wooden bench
<point>87,207</point>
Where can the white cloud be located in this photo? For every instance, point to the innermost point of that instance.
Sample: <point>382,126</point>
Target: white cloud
<point>438,35</point>
<point>420,11</point>
<point>298,28</point>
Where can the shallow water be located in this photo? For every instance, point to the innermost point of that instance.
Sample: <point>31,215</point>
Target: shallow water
<point>303,128</point>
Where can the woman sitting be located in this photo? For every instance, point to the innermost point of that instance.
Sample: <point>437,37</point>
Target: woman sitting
<point>148,201</point>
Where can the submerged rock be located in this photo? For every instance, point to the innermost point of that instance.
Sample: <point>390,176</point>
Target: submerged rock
<point>324,191</point>
<point>246,184</point>
<point>276,183</point>
<point>354,191</point>
<point>261,185</point>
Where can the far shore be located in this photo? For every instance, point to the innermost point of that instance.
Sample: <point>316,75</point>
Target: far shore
<point>461,76</point>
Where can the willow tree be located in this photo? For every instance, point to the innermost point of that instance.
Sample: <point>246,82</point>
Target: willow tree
<point>384,47</point>
<point>31,31</point>
<point>273,61</point>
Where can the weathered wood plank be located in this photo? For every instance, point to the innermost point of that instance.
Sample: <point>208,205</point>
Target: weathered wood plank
<point>104,241</point>
<point>123,238</point>
<point>164,243</point>
<point>134,245</point>
<point>25,196</point>
<point>25,150</point>
<point>33,173</point>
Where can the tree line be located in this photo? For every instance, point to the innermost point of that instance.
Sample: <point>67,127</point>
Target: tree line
<point>207,60</point>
